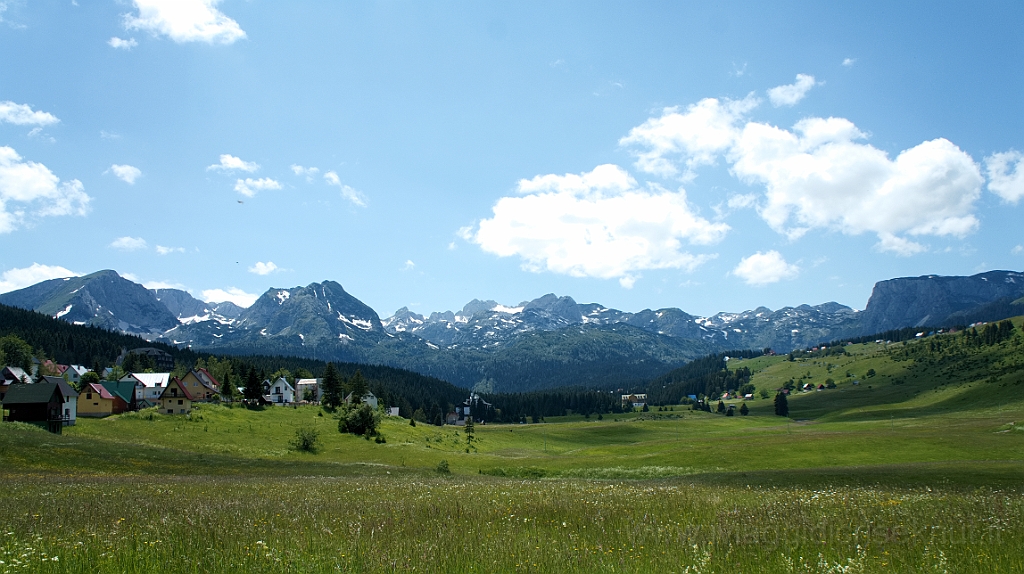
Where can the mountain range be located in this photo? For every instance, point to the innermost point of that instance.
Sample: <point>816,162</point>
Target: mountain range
<point>548,342</point>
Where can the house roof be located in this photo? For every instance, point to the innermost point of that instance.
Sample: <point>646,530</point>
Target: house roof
<point>15,373</point>
<point>123,389</point>
<point>100,389</point>
<point>151,379</point>
<point>287,385</point>
<point>24,394</point>
<point>180,386</point>
<point>65,388</point>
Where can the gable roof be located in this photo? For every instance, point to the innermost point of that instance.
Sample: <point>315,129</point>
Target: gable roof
<point>23,394</point>
<point>99,389</point>
<point>15,374</point>
<point>177,384</point>
<point>151,379</point>
<point>123,389</point>
<point>65,388</point>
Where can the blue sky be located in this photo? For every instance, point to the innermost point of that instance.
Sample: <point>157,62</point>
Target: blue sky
<point>711,157</point>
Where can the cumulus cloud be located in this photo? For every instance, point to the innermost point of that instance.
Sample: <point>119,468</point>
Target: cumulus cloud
<point>790,94</point>
<point>1005,172</point>
<point>307,172</point>
<point>14,279</point>
<point>596,224</point>
<point>185,21</point>
<point>347,192</point>
<point>695,137</point>
<point>261,268</point>
<point>764,268</point>
<point>24,115</point>
<point>248,186</point>
<point>163,285</point>
<point>121,44</point>
<point>129,243</point>
<point>233,294</point>
<point>126,173</point>
<point>30,189</point>
<point>229,162</point>
<point>160,249</point>
<point>820,176</point>
<point>849,61</point>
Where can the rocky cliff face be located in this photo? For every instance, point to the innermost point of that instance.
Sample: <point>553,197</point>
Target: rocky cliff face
<point>933,300</point>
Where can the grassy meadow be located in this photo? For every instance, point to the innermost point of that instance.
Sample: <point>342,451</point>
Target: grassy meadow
<point>918,468</point>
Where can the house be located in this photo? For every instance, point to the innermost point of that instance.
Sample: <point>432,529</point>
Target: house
<point>201,385</point>
<point>636,400</point>
<point>280,392</point>
<point>393,412</point>
<point>125,390</point>
<point>368,399</point>
<point>42,402</point>
<point>163,360</point>
<point>148,386</point>
<point>175,399</point>
<point>15,374</point>
<point>70,406</point>
<point>474,407</point>
<point>73,373</point>
<point>96,400</point>
<point>308,388</point>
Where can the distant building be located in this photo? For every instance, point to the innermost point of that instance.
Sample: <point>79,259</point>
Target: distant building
<point>163,360</point>
<point>636,400</point>
<point>280,392</point>
<point>310,385</point>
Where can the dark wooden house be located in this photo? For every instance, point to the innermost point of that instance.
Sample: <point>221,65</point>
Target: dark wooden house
<point>39,403</point>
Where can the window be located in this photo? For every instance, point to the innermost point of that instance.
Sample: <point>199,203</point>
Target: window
<point>180,402</point>
<point>170,411</point>
<point>88,396</point>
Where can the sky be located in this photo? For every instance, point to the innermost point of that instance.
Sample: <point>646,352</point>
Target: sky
<point>707,156</point>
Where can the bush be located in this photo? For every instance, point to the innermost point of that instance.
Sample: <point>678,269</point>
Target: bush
<point>442,467</point>
<point>358,420</point>
<point>307,439</point>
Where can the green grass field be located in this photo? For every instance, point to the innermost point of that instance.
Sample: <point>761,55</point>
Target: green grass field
<point>919,468</point>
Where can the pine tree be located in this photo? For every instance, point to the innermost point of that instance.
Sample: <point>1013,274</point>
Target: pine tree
<point>253,390</point>
<point>744,410</point>
<point>781,405</point>
<point>332,388</point>
<point>721,407</point>
<point>357,386</point>
<point>227,388</point>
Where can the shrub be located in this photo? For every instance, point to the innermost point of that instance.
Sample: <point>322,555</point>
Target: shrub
<point>307,439</point>
<point>442,467</point>
<point>359,420</point>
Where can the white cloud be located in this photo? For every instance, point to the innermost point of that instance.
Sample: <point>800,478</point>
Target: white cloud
<point>307,172</point>
<point>1005,172</point>
<point>120,44</point>
<point>697,136</point>
<point>163,285</point>
<point>764,268</point>
<point>14,279</point>
<point>185,21</point>
<point>849,62</point>
<point>742,201</point>
<point>409,265</point>
<point>126,173</point>
<point>129,243</point>
<point>899,245</point>
<point>248,186</point>
<point>1017,250</point>
<point>229,162</point>
<point>595,224</point>
<point>30,189</point>
<point>233,294</point>
<point>347,192</point>
<point>790,94</point>
<point>261,268</point>
<point>23,115</point>
<point>160,249</point>
<point>104,134</point>
<point>819,176</point>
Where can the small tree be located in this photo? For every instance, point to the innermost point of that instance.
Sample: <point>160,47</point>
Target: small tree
<point>227,388</point>
<point>332,388</point>
<point>412,422</point>
<point>781,405</point>
<point>721,407</point>
<point>88,378</point>
<point>869,374</point>
<point>359,420</point>
<point>357,386</point>
<point>468,429</point>
<point>744,410</point>
<point>253,389</point>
